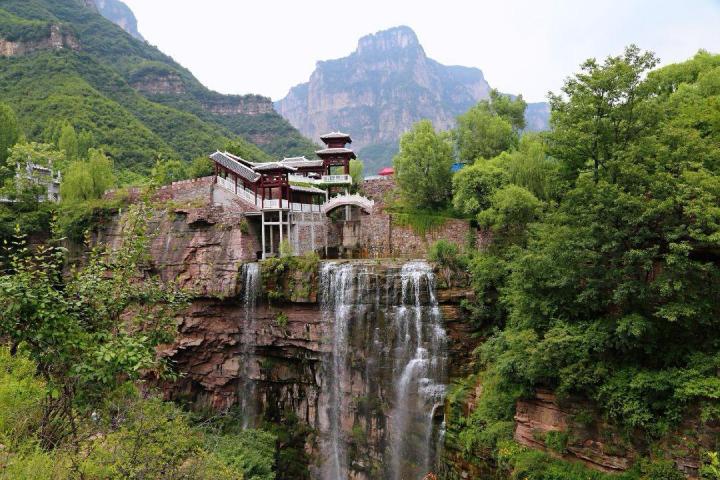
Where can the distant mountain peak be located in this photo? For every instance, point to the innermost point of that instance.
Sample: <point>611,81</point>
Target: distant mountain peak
<point>392,39</point>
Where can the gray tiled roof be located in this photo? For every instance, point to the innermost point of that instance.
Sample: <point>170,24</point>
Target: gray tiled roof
<point>332,151</point>
<point>258,167</point>
<point>300,162</point>
<point>226,160</point>
<point>298,188</point>
<point>330,135</point>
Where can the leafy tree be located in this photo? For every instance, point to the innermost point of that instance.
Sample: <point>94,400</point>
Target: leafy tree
<point>356,171</point>
<point>10,132</point>
<point>167,171</point>
<point>603,110</point>
<point>68,143</point>
<point>530,166</point>
<point>200,167</point>
<point>511,109</point>
<point>512,208</point>
<point>422,167</point>
<point>490,127</point>
<point>87,180</point>
<point>474,185</point>
<point>87,331</point>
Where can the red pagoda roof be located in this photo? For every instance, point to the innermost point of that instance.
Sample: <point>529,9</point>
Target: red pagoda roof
<point>387,171</point>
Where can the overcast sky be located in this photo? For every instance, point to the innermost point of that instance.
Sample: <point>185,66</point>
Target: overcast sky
<point>522,46</point>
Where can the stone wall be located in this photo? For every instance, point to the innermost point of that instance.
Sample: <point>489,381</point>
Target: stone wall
<point>378,234</point>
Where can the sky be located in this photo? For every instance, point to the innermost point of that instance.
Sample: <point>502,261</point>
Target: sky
<point>522,46</point>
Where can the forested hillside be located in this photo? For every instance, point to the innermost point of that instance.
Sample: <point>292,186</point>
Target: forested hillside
<point>137,103</point>
<point>598,288</point>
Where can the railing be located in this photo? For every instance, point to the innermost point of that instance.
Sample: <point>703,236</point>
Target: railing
<point>300,179</point>
<point>355,199</point>
<point>305,207</point>
<point>336,179</point>
<point>325,180</point>
<point>270,204</point>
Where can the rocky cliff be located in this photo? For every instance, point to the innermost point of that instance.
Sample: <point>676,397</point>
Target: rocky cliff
<point>380,90</point>
<point>120,14</point>
<point>359,351</point>
<point>58,37</point>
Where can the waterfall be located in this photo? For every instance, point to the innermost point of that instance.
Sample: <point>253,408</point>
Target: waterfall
<point>419,363</point>
<point>336,286</point>
<point>389,342</point>
<point>250,275</point>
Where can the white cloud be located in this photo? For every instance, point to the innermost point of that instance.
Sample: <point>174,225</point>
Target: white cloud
<point>522,46</point>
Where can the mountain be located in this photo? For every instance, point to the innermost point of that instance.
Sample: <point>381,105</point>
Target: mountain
<point>60,60</point>
<point>378,92</point>
<point>120,14</point>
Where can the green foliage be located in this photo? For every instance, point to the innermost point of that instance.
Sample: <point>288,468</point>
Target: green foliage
<point>356,172</point>
<point>422,168</point>
<point>604,108</point>
<point>82,329</point>
<point>249,451</point>
<point>710,470</point>
<point>512,208</point>
<point>446,254</point>
<point>68,143</point>
<point>21,398</point>
<point>93,89</point>
<point>474,185</point>
<point>490,127</point>
<point>10,132</point>
<point>166,172</point>
<point>529,166</point>
<point>88,179</point>
<point>603,287</point>
<point>200,167</point>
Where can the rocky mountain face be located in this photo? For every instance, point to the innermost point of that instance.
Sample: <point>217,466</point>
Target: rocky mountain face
<point>378,92</point>
<point>120,14</point>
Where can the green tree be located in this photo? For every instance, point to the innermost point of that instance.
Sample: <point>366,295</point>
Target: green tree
<point>10,132</point>
<point>474,185</point>
<point>167,171</point>
<point>356,171</point>
<point>422,167</point>
<point>86,330</point>
<point>530,166</point>
<point>511,209</point>
<point>482,134</point>
<point>88,179</point>
<point>68,143</point>
<point>511,109</point>
<point>490,127</point>
<point>603,109</point>
<point>200,167</point>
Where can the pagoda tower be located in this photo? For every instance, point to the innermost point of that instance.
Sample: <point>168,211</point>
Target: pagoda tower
<point>335,153</point>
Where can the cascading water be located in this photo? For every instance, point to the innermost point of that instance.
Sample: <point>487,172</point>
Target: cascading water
<point>336,286</point>
<point>419,357</point>
<point>250,275</point>
<point>389,351</point>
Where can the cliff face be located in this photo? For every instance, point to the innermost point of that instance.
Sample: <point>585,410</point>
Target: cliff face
<point>120,14</point>
<point>359,351</point>
<point>58,38</point>
<point>380,90</point>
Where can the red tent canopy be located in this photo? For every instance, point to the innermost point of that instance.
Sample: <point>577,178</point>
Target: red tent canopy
<point>387,171</point>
